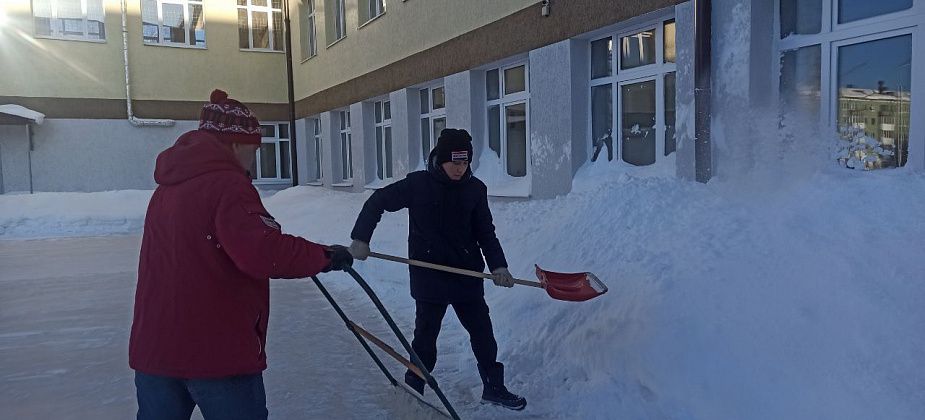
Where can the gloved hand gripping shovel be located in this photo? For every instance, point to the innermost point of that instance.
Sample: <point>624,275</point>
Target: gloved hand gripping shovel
<point>573,287</point>
<point>414,365</point>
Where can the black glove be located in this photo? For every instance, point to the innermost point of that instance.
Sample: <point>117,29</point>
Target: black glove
<point>340,258</point>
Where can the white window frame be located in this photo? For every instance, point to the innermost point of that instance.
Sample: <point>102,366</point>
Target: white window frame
<point>619,78</point>
<point>504,101</point>
<point>271,30</point>
<point>340,21</point>
<point>431,115</point>
<point>346,146</point>
<point>833,35</point>
<point>159,4</point>
<point>311,36</point>
<point>382,125</point>
<point>55,34</point>
<point>280,128</point>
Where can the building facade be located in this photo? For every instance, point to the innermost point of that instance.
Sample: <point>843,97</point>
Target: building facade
<point>545,88</point>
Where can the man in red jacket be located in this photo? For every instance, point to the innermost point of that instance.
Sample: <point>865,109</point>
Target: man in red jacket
<point>208,252</point>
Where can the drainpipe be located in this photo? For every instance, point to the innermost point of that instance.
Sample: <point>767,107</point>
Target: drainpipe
<point>702,90</point>
<point>293,155</point>
<point>137,122</point>
<point>31,148</point>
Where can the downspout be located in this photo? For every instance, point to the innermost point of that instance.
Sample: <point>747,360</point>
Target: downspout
<point>137,122</point>
<point>31,148</point>
<point>703,163</point>
<point>293,154</point>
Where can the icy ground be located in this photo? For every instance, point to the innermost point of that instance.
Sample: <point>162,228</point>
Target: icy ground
<point>779,297</point>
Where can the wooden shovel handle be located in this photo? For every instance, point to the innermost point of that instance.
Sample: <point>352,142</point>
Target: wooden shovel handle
<point>447,269</point>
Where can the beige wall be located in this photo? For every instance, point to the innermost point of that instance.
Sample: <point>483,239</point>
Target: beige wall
<point>406,28</point>
<point>36,67</point>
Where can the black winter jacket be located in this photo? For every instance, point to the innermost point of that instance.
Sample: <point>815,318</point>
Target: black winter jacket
<point>449,224</point>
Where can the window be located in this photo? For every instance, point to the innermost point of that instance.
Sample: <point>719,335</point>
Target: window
<point>346,148</point>
<point>370,9</point>
<point>307,29</point>
<point>383,139</point>
<point>851,67</point>
<point>274,162</point>
<point>173,22</point>
<point>69,19</point>
<point>260,25</point>
<point>635,91</point>
<point>507,90</point>
<point>335,21</point>
<point>433,118</point>
<point>318,148</point>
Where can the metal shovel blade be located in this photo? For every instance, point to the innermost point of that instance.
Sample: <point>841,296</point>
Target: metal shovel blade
<point>573,287</point>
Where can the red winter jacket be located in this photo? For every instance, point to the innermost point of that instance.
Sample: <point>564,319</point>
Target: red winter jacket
<point>208,252</point>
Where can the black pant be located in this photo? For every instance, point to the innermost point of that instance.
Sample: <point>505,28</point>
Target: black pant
<point>474,318</point>
<point>599,144</point>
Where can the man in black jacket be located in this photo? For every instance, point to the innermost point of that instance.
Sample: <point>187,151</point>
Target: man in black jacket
<point>450,224</point>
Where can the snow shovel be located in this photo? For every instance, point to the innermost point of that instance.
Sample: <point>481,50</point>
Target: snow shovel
<point>572,287</point>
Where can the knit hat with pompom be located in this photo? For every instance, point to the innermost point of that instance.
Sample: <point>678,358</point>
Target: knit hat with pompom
<point>229,119</point>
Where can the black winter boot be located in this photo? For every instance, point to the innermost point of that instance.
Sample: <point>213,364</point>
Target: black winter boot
<point>415,382</point>
<point>494,391</point>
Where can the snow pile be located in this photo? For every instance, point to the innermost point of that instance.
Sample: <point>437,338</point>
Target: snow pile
<point>44,215</point>
<point>788,296</point>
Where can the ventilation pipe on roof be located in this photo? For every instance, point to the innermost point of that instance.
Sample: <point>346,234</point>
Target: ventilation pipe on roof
<point>137,122</point>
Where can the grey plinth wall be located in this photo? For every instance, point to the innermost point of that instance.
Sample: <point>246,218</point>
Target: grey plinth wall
<point>552,128</point>
<point>85,155</point>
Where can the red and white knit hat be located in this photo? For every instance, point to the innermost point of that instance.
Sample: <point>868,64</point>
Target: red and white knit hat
<point>230,119</point>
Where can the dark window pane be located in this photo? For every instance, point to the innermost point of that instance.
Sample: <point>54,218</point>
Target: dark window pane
<point>259,3</point>
<point>670,94</point>
<point>439,125</point>
<point>243,32</point>
<point>261,29</point>
<point>874,98</point>
<point>515,80</point>
<point>149,24</point>
<point>344,156</point>
<point>601,121</point>
<point>379,163</point>
<point>173,27</point>
<point>515,117</point>
<point>378,106</point>
<point>343,120</point>
<point>637,50</point>
<point>492,84</point>
<point>801,17</point>
<point>318,161</point>
<point>494,129</point>
<point>268,131</point>
<point>800,83</point>
<point>425,101</point>
<point>425,138</point>
<point>95,19</point>
<point>439,98</point>
<point>41,11</point>
<point>852,10</point>
<point>602,58</point>
<point>284,161</point>
<point>278,43</point>
<point>268,160</point>
<point>387,110</point>
<point>669,42</point>
<point>284,131</point>
<point>638,139</point>
<point>388,152</point>
<point>197,31</point>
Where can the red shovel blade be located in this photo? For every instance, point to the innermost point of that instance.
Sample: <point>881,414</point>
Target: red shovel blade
<point>573,287</point>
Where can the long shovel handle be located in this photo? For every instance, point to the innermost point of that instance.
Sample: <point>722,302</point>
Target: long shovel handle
<point>447,269</point>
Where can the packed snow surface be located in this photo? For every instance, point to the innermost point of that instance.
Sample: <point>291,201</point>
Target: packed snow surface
<point>794,296</point>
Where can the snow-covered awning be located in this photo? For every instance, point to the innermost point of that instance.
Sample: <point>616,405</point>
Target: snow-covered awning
<point>18,114</point>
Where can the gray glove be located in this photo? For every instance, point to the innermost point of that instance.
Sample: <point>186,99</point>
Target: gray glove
<point>502,277</point>
<point>359,250</point>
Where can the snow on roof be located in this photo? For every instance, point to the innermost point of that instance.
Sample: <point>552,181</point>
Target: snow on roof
<point>21,111</point>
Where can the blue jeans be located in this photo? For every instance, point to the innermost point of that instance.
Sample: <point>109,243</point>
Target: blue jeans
<point>165,398</point>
